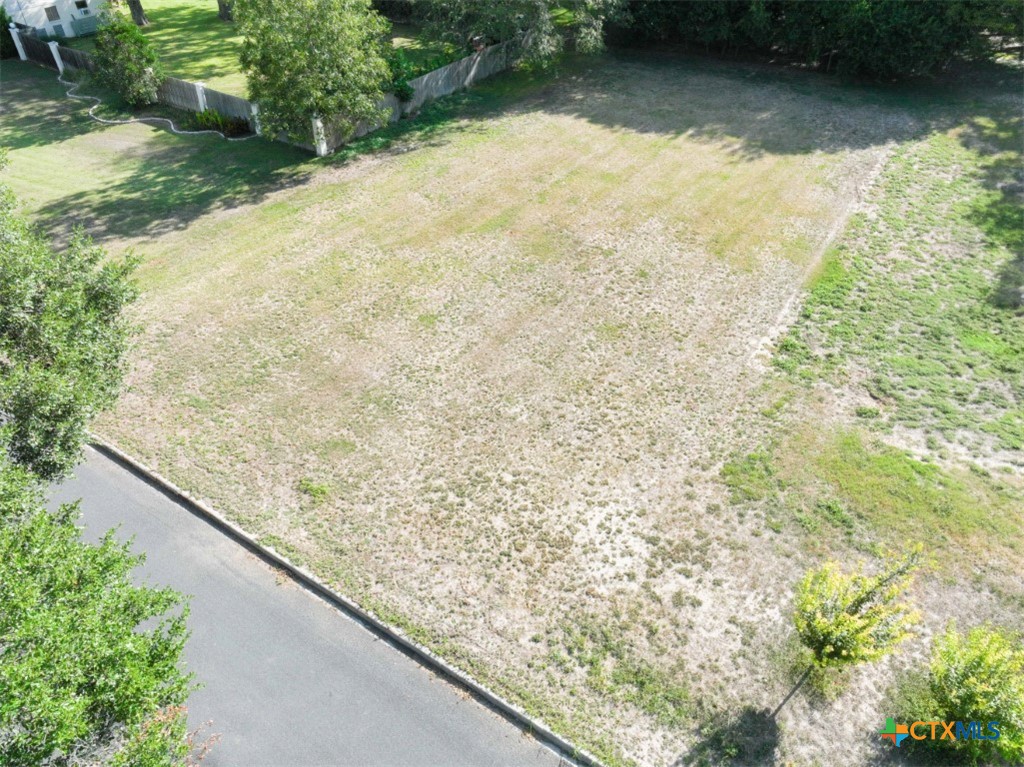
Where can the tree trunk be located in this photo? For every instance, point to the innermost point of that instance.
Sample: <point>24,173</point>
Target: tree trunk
<point>138,13</point>
<point>225,10</point>
<point>799,684</point>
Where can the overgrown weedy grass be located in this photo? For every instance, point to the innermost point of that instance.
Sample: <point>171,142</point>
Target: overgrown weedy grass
<point>491,362</point>
<point>912,303</point>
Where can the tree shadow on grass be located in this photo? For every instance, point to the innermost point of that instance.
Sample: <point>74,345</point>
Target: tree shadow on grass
<point>158,181</point>
<point>173,181</point>
<point>748,109</point>
<point>753,108</point>
<point>193,42</point>
<point>34,110</point>
<point>749,737</point>
<point>999,136</point>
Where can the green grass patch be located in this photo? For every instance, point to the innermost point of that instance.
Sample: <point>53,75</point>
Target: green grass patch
<point>317,491</point>
<point>750,477</point>
<point>163,184</point>
<point>843,488</point>
<point>917,296</point>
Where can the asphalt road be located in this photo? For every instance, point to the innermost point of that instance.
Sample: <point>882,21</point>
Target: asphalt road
<point>289,680</point>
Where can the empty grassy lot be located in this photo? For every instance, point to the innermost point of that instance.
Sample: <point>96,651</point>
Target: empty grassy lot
<point>536,381</point>
<point>195,44</point>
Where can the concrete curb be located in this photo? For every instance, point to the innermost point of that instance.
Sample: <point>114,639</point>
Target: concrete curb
<point>423,655</point>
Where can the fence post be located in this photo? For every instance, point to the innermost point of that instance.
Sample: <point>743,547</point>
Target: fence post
<point>201,95</point>
<point>16,36</point>
<point>254,110</point>
<point>319,137</point>
<point>54,49</point>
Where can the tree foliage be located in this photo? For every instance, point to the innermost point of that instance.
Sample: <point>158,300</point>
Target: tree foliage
<point>540,27</point>
<point>972,677</point>
<point>62,340</point>
<point>306,58</point>
<point>876,38</point>
<point>847,619</point>
<point>126,60</point>
<point>979,677</point>
<point>80,678</point>
<point>73,661</point>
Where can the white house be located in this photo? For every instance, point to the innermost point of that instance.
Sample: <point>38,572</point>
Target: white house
<point>56,18</point>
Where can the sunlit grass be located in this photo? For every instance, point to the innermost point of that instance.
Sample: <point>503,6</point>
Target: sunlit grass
<point>195,44</point>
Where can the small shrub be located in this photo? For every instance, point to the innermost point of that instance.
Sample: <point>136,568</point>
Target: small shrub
<point>211,119</point>
<point>846,619</point>
<point>126,61</point>
<point>402,90</point>
<point>402,71</point>
<point>163,740</point>
<point>160,741</point>
<point>972,677</point>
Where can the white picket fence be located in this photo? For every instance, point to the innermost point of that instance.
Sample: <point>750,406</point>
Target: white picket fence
<point>326,135</point>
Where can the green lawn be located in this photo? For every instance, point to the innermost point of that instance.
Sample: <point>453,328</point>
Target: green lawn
<point>419,48</point>
<point>132,181</point>
<point>196,45</point>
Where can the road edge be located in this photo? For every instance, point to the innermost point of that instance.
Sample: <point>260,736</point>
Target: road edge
<point>422,654</point>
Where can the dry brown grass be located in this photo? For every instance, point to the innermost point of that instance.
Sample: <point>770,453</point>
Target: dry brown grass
<point>517,359</point>
<point>487,385</point>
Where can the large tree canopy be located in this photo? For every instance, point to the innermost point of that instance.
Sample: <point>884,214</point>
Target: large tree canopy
<point>540,27</point>
<point>86,675</point>
<point>877,38</point>
<point>306,58</point>
<point>62,341</point>
<point>77,674</point>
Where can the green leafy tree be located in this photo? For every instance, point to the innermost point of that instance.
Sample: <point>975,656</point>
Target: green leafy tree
<point>876,38</point>
<point>976,677</point>
<point>540,28</point>
<point>847,619</point>
<point>314,58</point>
<point>89,663</point>
<point>62,341</point>
<point>126,60</point>
<point>74,663</point>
